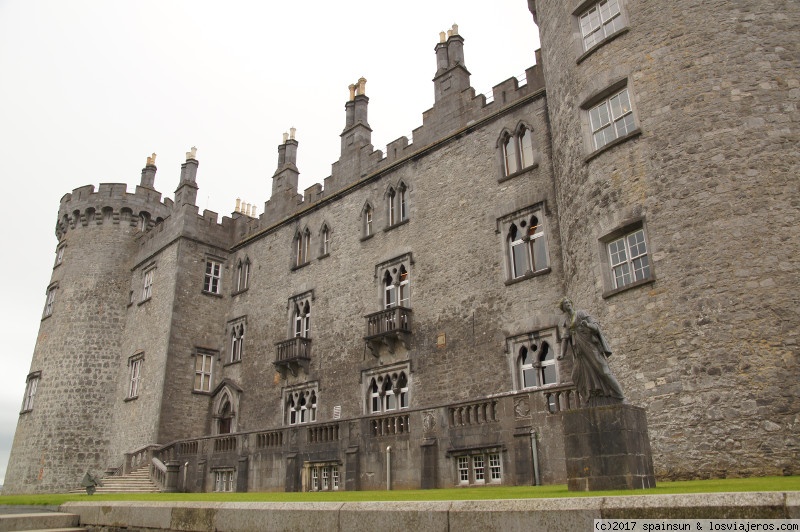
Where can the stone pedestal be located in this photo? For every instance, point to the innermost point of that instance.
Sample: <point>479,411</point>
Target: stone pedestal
<point>607,448</point>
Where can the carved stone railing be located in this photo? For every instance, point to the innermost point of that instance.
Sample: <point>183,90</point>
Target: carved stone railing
<point>138,458</point>
<point>387,327</point>
<point>188,447</point>
<point>561,398</point>
<point>292,354</point>
<point>225,444</point>
<point>158,473</point>
<point>389,425</point>
<point>273,438</point>
<point>323,433</point>
<point>478,413</point>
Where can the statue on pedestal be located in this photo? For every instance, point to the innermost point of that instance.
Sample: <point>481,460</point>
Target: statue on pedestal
<point>591,374</point>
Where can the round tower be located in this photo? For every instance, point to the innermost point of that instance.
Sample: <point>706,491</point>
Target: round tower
<point>64,427</point>
<point>674,132</point>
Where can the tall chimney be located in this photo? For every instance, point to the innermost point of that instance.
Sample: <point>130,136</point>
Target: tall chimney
<point>149,173</point>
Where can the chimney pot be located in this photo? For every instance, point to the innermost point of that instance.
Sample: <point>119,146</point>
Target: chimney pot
<point>191,154</point>
<point>292,131</point>
<point>285,137</point>
<point>238,205</point>
<point>442,36</point>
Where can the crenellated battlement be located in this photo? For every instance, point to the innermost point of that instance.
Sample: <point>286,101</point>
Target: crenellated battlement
<point>456,108</point>
<point>111,203</point>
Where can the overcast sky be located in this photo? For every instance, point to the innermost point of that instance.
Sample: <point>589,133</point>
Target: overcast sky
<point>89,89</point>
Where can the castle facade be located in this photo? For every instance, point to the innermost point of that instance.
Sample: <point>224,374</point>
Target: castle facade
<point>399,327</point>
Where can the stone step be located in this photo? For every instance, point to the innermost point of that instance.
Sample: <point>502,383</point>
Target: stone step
<point>39,521</point>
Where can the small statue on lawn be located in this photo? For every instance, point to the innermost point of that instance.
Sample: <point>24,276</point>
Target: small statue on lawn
<point>90,482</point>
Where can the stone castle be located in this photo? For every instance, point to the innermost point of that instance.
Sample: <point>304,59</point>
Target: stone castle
<point>399,326</point>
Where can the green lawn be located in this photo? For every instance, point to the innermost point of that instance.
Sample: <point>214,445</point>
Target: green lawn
<point>449,494</point>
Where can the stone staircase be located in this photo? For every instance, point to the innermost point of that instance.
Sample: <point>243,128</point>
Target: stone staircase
<point>137,481</point>
<point>41,522</point>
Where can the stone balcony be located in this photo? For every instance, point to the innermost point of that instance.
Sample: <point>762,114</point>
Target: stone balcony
<point>292,354</point>
<point>387,327</point>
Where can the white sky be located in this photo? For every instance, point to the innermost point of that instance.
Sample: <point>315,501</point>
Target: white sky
<point>88,89</point>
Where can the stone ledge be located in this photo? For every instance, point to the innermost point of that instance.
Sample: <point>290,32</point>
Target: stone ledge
<point>566,514</point>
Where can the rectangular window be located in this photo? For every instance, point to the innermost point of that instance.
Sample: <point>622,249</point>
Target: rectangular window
<point>600,21</point>
<point>211,283</point>
<point>495,471</point>
<point>628,259</point>
<point>478,471</point>
<point>335,477</point>
<point>202,371</point>
<point>135,364</point>
<point>60,254</point>
<point>48,304</point>
<point>463,470</point>
<point>30,391</point>
<point>147,285</point>
<point>611,119</point>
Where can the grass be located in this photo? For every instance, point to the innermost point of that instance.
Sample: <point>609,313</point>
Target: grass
<point>447,494</point>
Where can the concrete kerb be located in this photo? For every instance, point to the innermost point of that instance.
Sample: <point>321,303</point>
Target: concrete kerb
<point>566,514</point>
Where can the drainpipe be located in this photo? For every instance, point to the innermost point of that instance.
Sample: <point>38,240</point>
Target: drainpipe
<point>389,468</point>
<point>535,456</point>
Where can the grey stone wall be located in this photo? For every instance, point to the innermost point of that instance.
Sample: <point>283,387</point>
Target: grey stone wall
<point>709,348</point>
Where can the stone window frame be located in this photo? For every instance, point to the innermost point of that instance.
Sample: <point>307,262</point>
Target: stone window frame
<point>243,272</point>
<point>224,479</point>
<point>515,138</point>
<point>325,234</point>
<point>396,199</point>
<point>584,9</point>
<point>314,475</point>
<point>235,331</point>
<point>206,355</point>
<point>300,307</point>
<point>601,98</point>
<point>625,230</point>
<point>380,377</point>
<point>31,386</point>
<point>295,398</point>
<point>532,343</point>
<point>50,299</point>
<point>135,365</point>
<point>367,220</point>
<point>148,276</point>
<point>301,248</point>
<point>399,269</point>
<point>488,460</point>
<point>212,280</point>
<point>535,245</point>
<point>60,254</point>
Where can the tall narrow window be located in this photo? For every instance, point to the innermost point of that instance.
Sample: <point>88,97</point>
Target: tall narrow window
<point>403,290</point>
<point>547,365</point>
<point>392,208</point>
<point>402,202</point>
<point>478,469</point>
<point>147,285</point>
<point>526,147</point>
<point>48,304</point>
<point>135,364</point>
<point>510,155</point>
<point>243,275</point>
<point>463,469</point>
<point>30,391</point>
<point>202,371</point>
<point>390,296</point>
<point>306,245</point>
<point>368,221</point>
<point>211,283</point>
<point>326,240</point>
<point>60,254</point>
<point>237,341</point>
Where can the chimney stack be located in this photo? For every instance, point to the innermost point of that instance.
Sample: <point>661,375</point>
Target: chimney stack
<point>149,173</point>
<point>186,193</point>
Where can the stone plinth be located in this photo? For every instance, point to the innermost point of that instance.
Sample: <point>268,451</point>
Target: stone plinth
<point>607,448</point>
